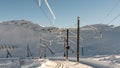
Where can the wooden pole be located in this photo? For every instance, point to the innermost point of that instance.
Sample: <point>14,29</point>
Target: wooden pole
<point>29,54</point>
<point>27,51</point>
<point>82,51</point>
<point>64,46</point>
<point>40,47</point>
<point>44,52</point>
<point>67,45</point>
<point>78,33</point>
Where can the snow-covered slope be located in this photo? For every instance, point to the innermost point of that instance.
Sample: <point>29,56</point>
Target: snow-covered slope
<point>21,33</point>
<point>107,45</point>
<point>16,35</point>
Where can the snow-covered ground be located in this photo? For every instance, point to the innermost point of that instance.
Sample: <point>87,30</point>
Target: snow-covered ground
<point>39,63</point>
<point>111,59</point>
<point>9,63</point>
<point>63,64</point>
<point>58,62</point>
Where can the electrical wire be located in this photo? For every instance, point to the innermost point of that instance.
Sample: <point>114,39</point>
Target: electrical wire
<point>44,13</point>
<point>113,8</point>
<point>108,14</point>
<point>46,1</point>
<point>114,19</point>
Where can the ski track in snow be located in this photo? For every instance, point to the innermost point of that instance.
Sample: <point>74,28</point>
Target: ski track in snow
<point>59,65</point>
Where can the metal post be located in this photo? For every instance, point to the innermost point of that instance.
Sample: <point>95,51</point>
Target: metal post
<point>67,45</point>
<point>82,51</point>
<point>29,54</point>
<point>27,51</point>
<point>40,52</point>
<point>64,46</point>
<point>44,52</point>
<point>78,33</point>
<point>40,47</point>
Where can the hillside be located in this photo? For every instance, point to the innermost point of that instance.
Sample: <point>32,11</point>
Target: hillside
<point>23,33</point>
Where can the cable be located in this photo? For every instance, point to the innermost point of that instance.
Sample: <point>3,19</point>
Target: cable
<point>108,14</point>
<point>113,7</point>
<point>46,1</point>
<point>44,13</point>
<point>114,19</point>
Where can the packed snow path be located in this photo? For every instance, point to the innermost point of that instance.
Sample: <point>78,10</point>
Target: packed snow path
<point>59,65</point>
<point>62,64</point>
<point>55,64</point>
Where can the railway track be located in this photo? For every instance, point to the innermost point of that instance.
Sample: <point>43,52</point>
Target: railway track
<point>59,65</point>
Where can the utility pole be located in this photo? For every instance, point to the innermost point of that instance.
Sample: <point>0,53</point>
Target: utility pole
<point>28,51</point>
<point>82,51</point>
<point>40,47</point>
<point>44,52</point>
<point>78,33</point>
<point>64,46</point>
<point>67,44</point>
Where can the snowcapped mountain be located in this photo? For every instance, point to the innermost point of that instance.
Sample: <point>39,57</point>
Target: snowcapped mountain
<point>98,39</point>
<point>108,44</point>
<point>16,35</point>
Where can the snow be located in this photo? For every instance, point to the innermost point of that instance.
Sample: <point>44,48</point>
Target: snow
<point>111,59</point>
<point>55,62</point>
<point>58,64</point>
<point>20,33</point>
<point>63,64</point>
<point>39,63</point>
<point>25,33</point>
<point>9,63</point>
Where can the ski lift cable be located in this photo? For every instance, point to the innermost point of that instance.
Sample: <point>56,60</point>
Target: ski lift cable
<point>43,12</point>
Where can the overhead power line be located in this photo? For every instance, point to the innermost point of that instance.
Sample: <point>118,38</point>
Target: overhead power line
<point>39,4</point>
<point>51,11</point>
<point>113,7</point>
<point>108,14</point>
<point>114,19</point>
<point>46,1</point>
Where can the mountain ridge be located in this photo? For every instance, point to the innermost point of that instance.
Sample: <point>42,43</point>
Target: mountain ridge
<point>12,33</point>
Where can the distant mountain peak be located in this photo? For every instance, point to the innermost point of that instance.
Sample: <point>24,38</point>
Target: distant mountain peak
<point>23,23</point>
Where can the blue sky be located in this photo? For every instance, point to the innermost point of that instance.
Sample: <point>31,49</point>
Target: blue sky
<point>66,11</point>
